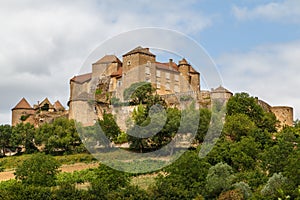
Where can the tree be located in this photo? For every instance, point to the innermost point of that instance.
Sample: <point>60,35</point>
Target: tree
<point>219,179</point>
<point>38,170</point>
<point>238,125</point>
<point>5,137</point>
<point>204,121</point>
<point>60,136</point>
<point>138,93</point>
<point>274,158</point>
<point>107,181</point>
<point>184,179</point>
<point>244,154</point>
<point>275,183</point>
<point>23,134</point>
<point>242,103</point>
<point>109,126</point>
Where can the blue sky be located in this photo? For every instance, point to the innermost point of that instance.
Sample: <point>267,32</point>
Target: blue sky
<point>254,43</point>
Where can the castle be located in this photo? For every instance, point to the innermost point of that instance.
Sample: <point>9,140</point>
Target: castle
<point>91,94</point>
<point>43,112</point>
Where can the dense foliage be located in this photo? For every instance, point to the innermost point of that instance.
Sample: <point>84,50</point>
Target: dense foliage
<point>252,159</point>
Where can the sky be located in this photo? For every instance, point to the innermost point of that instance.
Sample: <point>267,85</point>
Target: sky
<point>255,44</point>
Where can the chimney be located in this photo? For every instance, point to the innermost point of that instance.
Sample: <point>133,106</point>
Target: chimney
<point>170,62</point>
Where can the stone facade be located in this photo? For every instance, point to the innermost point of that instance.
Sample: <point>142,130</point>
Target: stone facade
<point>43,112</point>
<point>90,95</point>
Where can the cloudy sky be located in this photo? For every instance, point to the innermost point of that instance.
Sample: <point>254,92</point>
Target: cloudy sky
<point>254,43</point>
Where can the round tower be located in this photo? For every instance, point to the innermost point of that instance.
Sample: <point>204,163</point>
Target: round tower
<point>284,115</point>
<point>184,69</point>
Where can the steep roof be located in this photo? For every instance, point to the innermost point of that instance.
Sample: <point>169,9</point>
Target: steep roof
<point>58,106</point>
<point>141,50</point>
<point>108,59</point>
<point>82,78</point>
<point>221,89</point>
<point>46,101</point>
<point>23,104</point>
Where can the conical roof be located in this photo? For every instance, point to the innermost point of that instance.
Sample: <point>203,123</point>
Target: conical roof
<point>23,104</point>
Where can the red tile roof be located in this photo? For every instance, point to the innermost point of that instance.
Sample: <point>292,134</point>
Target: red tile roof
<point>82,78</point>
<point>167,66</point>
<point>23,104</point>
<point>58,106</point>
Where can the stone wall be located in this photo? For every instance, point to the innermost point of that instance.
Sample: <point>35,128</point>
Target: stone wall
<point>284,115</point>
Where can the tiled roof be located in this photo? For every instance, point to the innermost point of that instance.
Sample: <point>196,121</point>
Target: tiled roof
<point>221,89</point>
<point>23,104</point>
<point>46,101</point>
<point>82,78</point>
<point>108,59</point>
<point>167,66</point>
<point>140,49</point>
<point>58,106</point>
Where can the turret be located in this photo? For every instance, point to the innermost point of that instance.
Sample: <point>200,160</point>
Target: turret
<point>137,57</point>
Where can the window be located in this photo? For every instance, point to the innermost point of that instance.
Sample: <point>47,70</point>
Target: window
<point>176,77</point>
<point>167,75</point>
<point>128,63</point>
<point>158,84</point>
<point>176,88</point>
<point>119,83</point>
<point>167,86</point>
<point>158,73</point>
<point>147,70</point>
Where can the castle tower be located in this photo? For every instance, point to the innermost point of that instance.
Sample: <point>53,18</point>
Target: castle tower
<point>137,57</point>
<point>184,69</point>
<point>105,66</point>
<point>284,115</point>
<point>22,112</point>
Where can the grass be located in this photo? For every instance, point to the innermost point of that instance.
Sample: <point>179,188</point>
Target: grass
<point>144,181</point>
<point>13,161</point>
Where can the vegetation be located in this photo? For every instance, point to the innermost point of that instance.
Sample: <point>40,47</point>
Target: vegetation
<point>250,160</point>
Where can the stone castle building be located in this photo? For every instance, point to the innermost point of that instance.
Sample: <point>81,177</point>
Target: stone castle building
<point>90,94</point>
<point>43,112</point>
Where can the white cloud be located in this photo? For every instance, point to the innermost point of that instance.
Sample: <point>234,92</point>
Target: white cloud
<point>287,11</point>
<point>269,72</point>
<point>44,43</point>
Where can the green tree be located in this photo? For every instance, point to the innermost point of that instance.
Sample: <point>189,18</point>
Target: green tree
<point>184,179</point>
<point>244,154</point>
<point>5,137</point>
<point>242,103</point>
<point>139,92</point>
<point>275,184</point>
<point>274,158</point>
<point>219,179</point>
<point>38,170</point>
<point>107,181</point>
<point>109,126</point>
<point>238,125</point>
<point>24,134</point>
<point>204,121</point>
<point>61,136</point>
